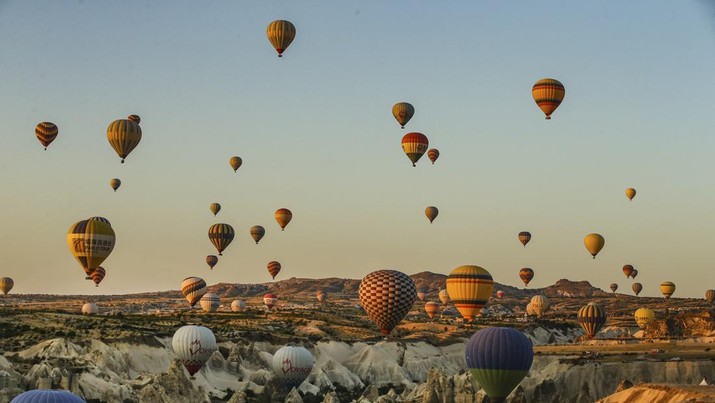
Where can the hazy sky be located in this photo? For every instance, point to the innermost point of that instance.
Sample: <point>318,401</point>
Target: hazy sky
<point>316,135</point>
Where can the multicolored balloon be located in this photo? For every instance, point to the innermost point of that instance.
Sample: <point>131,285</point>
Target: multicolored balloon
<point>591,317</point>
<point>526,274</point>
<point>124,135</point>
<point>431,212</point>
<point>644,317</point>
<point>257,233</point>
<point>614,287</point>
<point>273,268</point>
<point>414,145</point>
<point>667,288</point>
<point>403,112</point>
<point>90,242</point>
<point>524,237</point>
<point>215,208</point>
<point>98,275</point>
<point>270,300</point>
<point>292,365</point>
<point>135,118</point>
<point>221,236</point>
<point>628,270</point>
<point>433,154</point>
<point>211,260</point>
<point>637,288</point>
<point>283,217</point>
<point>630,193</point>
<point>100,219</point>
<point>46,132</point>
<point>210,302</point>
<point>387,296</point>
<point>194,345</point>
<point>432,308</point>
<point>115,183</point>
<point>281,34</point>
<point>235,162</point>
<point>193,288</point>
<point>594,243</point>
<point>470,288</point>
<point>548,94</point>
<point>47,396</point>
<point>6,284</point>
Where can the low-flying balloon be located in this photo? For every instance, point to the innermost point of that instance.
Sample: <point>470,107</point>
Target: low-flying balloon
<point>524,237</point>
<point>630,193</point>
<point>46,132</point>
<point>414,145</point>
<point>221,236</point>
<point>403,112</point>
<point>644,317</point>
<point>98,275</point>
<point>628,270</point>
<point>238,305</point>
<point>421,294</point>
<point>281,34</point>
<point>709,295</point>
<point>431,212</point>
<point>540,304</point>
<point>210,302</point>
<point>235,162</point>
<point>273,268</point>
<point>292,365</point>
<point>526,274</point>
<point>257,233</point>
<point>270,300</point>
<point>47,396</point>
<point>594,243</point>
<point>90,308</point>
<point>283,217</point>
<point>115,183</point>
<point>124,135</point>
<point>211,260</point>
<point>6,284</point>
<point>500,294</point>
<point>193,288</point>
<point>530,310</point>
<point>667,288</point>
<point>444,296</point>
<point>432,308</point>
<point>548,94</point>
<point>215,208</point>
<point>614,287</point>
<point>194,345</point>
<point>433,154</point>
<point>321,296</point>
<point>469,287</point>
<point>387,296</point>
<point>637,288</point>
<point>591,317</point>
<point>90,242</point>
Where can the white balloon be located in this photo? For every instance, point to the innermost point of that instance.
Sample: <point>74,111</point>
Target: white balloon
<point>540,304</point>
<point>210,302</point>
<point>90,308</point>
<point>194,345</point>
<point>292,365</point>
<point>238,305</point>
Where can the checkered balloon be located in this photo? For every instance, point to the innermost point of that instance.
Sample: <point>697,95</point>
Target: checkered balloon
<point>387,296</point>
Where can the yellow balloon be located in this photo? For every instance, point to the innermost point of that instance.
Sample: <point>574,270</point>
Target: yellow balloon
<point>124,135</point>
<point>667,288</point>
<point>630,193</point>
<point>594,243</point>
<point>469,287</point>
<point>281,34</point>
<point>644,317</point>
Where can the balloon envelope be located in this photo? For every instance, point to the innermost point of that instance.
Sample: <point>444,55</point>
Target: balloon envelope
<point>90,242</point>
<point>210,302</point>
<point>270,300</point>
<point>414,145</point>
<point>403,112</point>
<point>98,275</point>
<point>321,296</point>
<point>431,212</point>
<point>500,294</point>
<point>274,268</point>
<point>634,273</point>
<point>47,396</point>
<point>194,345</point>
<point>135,118</point>
<point>524,237</point>
<point>90,308</point>
<point>591,317</point>
<point>211,260</point>
<point>444,296</point>
<point>235,162</point>
<point>292,365</point>
<point>540,304</point>
<point>710,296</point>
<point>238,305</point>
<point>594,243</point>
<point>548,94</point>
<point>433,154</point>
<point>283,217</point>
<point>614,287</point>
<point>221,236</point>
<point>6,284</point>
<point>257,232</point>
<point>46,132</point>
<point>637,288</point>
<point>630,193</point>
<point>215,208</point>
<point>281,34</point>
<point>193,288</point>
<point>667,288</point>
<point>115,183</point>
<point>644,317</point>
<point>526,274</point>
<point>432,308</point>
<point>387,296</point>
<point>469,287</point>
<point>628,270</point>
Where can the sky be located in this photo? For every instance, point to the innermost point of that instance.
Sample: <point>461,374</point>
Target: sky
<point>316,135</point>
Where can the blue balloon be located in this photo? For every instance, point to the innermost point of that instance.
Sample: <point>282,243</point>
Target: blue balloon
<point>47,396</point>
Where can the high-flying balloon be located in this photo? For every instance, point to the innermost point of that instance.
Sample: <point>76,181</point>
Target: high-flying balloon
<point>292,365</point>
<point>273,268</point>
<point>238,305</point>
<point>257,233</point>
<point>433,154</point>
<point>281,33</point>
<point>709,295</point>
<point>667,288</point>
<point>215,208</point>
<point>235,162</point>
<point>270,300</point>
<point>124,135</point>
<point>591,317</point>
<point>115,183</point>
<point>46,132</point>
<point>210,302</point>
<point>387,296</point>
<point>90,242</point>
<point>211,260</point>
<point>628,270</point>
<point>630,193</point>
<point>524,237</point>
<point>526,274</point>
<point>414,145</point>
<point>614,287</point>
<point>469,287</point>
<point>431,212</point>
<point>135,118</point>
<point>221,236</point>
<point>321,296</point>
<point>6,284</point>
<point>500,294</point>
<point>540,304</point>
<point>644,317</point>
<point>47,396</point>
<point>90,308</point>
<point>98,275</point>
<point>499,358</point>
<point>594,243</point>
<point>634,273</point>
<point>548,94</point>
<point>637,288</point>
<point>283,217</point>
<point>403,112</point>
<point>444,297</point>
<point>194,345</point>
<point>432,308</point>
<point>193,289</point>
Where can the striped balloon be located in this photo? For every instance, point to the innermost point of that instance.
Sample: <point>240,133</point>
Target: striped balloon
<point>431,212</point>
<point>403,112</point>
<point>709,295</point>
<point>526,274</point>
<point>667,288</point>
<point>238,305</point>
<point>530,310</point>
<point>281,34</point>
<point>47,396</point>
<point>215,208</point>
<point>210,302</point>
<point>499,358</point>
<point>270,300</point>
<point>235,162</point>
<point>98,275</point>
<point>292,365</point>
<point>194,345</point>
<point>115,183</point>
<point>524,237</point>
<point>387,296</point>
<point>221,236</point>
<point>614,287</point>
<point>548,94</point>
<point>432,308</point>
<point>124,135</point>
<point>414,145</point>
<point>46,132</point>
<point>540,304</point>
<point>211,260</point>
<point>433,154</point>
<point>283,217</point>
<point>193,289</point>
<point>628,270</point>
<point>90,308</point>
<point>444,297</point>
<point>469,287</point>
<point>274,268</point>
<point>90,242</point>
<point>637,288</point>
<point>135,118</point>
<point>257,233</point>
<point>6,284</point>
<point>644,317</point>
<point>100,219</point>
<point>591,317</point>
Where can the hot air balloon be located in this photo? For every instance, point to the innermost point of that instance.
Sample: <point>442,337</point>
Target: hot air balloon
<point>281,33</point>
<point>274,268</point>
<point>470,288</point>
<point>135,118</point>
<point>630,193</point>
<point>499,358</point>
<point>387,296</point>
<point>321,296</point>
<point>292,365</point>
<point>421,294</point>
<point>6,285</point>
<point>524,237</point>
<point>46,132</point>
<point>644,317</point>
<point>444,297</point>
<point>709,294</point>
<point>283,217</point>
<point>90,242</point>
<point>431,212</point>
<point>500,294</point>
<point>90,308</point>
<point>591,317</point>
<point>548,94</point>
<point>667,288</point>
<point>194,345</point>
<point>432,308</point>
<point>414,145</point>
<point>215,208</point>
<point>98,275</point>
<point>540,304</point>
<point>614,287</point>
<point>637,288</point>
<point>634,273</point>
<point>100,219</point>
<point>193,289</point>
<point>221,236</point>
<point>403,112</point>
<point>47,396</point>
<point>115,183</point>
<point>433,154</point>
<point>594,243</point>
<point>211,260</point>
<point>530,310</point>
<point>628,270</point>
<point>124,135</point>
<point>257,233</point>
<point>270,300</point>
<point>210,302</point>
<point>526,274</point>
<point>235,162</point>
<point>238,305</point>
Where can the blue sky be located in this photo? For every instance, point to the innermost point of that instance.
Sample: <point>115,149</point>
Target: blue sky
<point>316,135</point>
